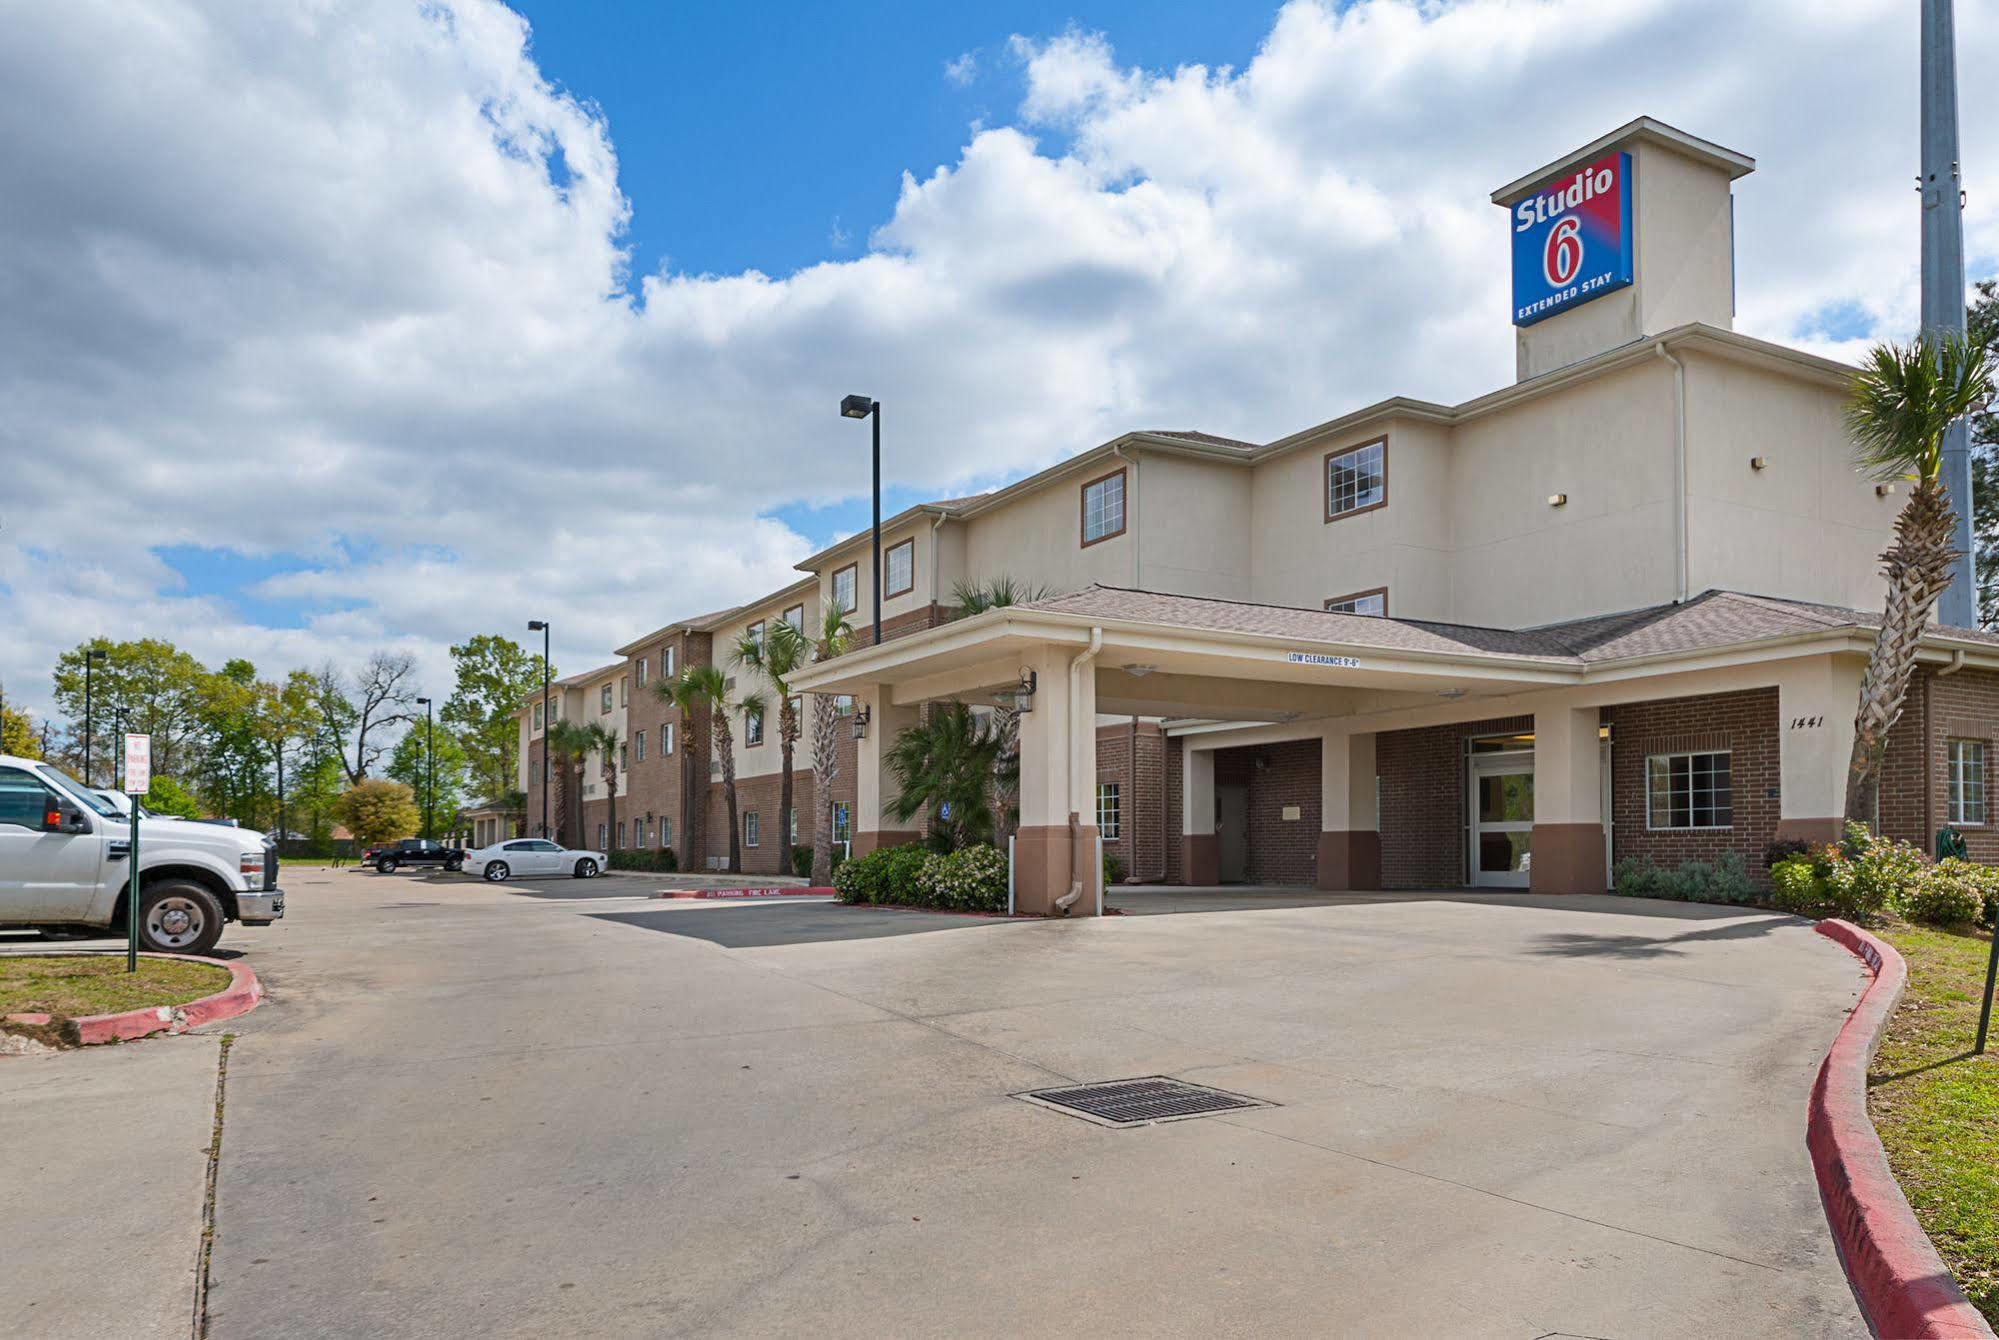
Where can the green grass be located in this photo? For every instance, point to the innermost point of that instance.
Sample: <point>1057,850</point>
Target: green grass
<point>1937,1106</point>
<point>79,985</point>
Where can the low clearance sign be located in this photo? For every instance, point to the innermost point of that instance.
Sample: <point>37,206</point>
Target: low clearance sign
<point>1572,240</point>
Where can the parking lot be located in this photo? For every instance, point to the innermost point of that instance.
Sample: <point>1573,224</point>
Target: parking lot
<point>468,1107</point>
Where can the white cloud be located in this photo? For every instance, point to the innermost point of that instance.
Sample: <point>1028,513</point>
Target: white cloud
<point>962,69</point>
<point>285,278</point>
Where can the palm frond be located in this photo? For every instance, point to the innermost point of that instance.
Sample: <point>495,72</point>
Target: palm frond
<point>1905,397</point>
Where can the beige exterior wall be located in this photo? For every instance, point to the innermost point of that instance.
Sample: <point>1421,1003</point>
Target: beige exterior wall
<point>1037,537</point>
<point>1195,524</point>
<point>767,759</point>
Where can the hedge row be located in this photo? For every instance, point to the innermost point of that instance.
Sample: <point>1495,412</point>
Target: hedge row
<point>971,879</point>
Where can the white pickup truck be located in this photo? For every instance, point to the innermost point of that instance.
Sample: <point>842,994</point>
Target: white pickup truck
<point>65,852</point>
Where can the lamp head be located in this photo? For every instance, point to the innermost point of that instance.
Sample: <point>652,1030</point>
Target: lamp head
<point>537,625</point>
<point>857,406</point>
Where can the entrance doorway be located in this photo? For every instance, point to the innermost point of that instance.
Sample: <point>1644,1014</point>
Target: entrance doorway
<point>1502,818</point>
<point>1231,833</point>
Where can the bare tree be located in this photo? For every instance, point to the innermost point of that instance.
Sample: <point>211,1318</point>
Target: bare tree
<point>379,696</point>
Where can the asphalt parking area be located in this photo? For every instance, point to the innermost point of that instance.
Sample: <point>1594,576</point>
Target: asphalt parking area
<point>791,922</point>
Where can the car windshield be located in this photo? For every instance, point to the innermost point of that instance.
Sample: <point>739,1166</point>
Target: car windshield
<point>78,792</point>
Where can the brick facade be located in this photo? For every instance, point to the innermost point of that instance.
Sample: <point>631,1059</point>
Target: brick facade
<point>1916,778</point>
<point>1142,839</point>
<point>1745,725</point>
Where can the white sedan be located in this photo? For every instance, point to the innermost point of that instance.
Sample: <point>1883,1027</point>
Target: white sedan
<point>533,856</point>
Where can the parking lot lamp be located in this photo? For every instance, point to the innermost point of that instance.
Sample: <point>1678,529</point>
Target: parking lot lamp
<point>866,407</point>
<point>92,657</point>
<point>541,626</point>
<point>429,767</point>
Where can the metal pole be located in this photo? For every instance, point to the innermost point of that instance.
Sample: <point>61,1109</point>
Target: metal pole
<point>876,415</point>
<point>545,723</point>
<point>1985,1007</point>
<point>1942,187</point>
<point>429,775</point>
<point>281,790</point>
<point>132,893</point>
<point>87,658</point>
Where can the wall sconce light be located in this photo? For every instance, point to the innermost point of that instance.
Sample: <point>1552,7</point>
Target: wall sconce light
<point>1759,462</point>
<point>1558,500</point>
<point>862,715</point>
<point>1023,693</point>
<point>1883,490</point>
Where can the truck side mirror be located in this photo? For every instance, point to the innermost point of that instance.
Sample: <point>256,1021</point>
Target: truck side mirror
<point>63,818</point>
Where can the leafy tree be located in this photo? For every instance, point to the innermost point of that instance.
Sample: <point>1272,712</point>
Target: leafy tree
<point>17,734</point>
<point>703,688</point>
<point>235,776</point>
<point>288,722</point>
<point>1904,398</point>
<point>779,654</point>
<point>406,765</point>
<point>167,796</point>
<point>378,810</point>
<point>945,764</point>
<point>157,686</point>
<point>495,676</point>
<point>836,637</point>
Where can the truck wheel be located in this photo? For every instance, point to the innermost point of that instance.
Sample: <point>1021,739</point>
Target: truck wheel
<point>586,869</point>
<point>496,871</point>
<point>178,916</point>
<point>386,866</point>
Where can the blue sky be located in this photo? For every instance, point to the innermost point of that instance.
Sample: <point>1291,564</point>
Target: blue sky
<point>746,135</point>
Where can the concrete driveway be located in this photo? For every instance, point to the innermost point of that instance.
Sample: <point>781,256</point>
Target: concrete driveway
<point>467,1111</point>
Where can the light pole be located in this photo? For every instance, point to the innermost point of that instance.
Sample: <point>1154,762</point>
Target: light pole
<point>1942,188</point>
<point>865,407</point>
<point>90,658</point>
<point>541,626</point>
<point>429,767</point>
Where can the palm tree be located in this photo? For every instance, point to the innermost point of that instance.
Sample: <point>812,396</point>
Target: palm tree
<point>836,638</point>
<point>779,654</point>
<point>945,765</point>
<point>976,598</point>
<point>1904,399</point>
<point>694,689</point>
<point>568,744</point>
<point>604,743</point>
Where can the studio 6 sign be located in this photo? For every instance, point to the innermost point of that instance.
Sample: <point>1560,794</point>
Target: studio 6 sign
<point>1572,240</point>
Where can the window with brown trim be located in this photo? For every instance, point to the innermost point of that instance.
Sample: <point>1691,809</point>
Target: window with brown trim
<point>1374,603</point>
<point>1103,508</point>
<point>899,570</point>
<point>795,616</point>
<point>846,589</point>
<point>1357,479</point>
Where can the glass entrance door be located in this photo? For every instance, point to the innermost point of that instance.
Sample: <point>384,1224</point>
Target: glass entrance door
<point>1502,819</point>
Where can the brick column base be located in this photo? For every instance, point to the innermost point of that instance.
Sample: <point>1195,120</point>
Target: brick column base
<point>1818,832</point>
<point>1568,858</point>
<point>1042,869</point>
<point>1200,859</point>
<point>1350,861</point>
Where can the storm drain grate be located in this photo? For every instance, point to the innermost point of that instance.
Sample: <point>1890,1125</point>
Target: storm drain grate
<point>1139,1102</point>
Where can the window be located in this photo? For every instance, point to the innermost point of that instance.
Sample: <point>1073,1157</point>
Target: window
<point>1966,801</point>
<point>624,761</point>
<point>641,671</point>
<point>600,843</point>
<point>667,662</point>
<point>1107,811</point>
<point>797,702</point>
<point>537,726</point>
<point>845,598</point>
<point>843,706</point>
<point>624,694</point>
<point>753,726</point>
<point>752,829</point>
<point>843,822</point>
<point>1103,508</point>
<point>23,800</point>
<point>621,837</point>
<point>638,832</point>
<point>794,828</point>
<point>665,832</point>
<point>638,756</point>
<point>1688,791</point>
<point>665,744</point>
<point>1374,603</point>
<point>603,706</point>
<point>1356,479</point>
<point>899,570</point>
<point>795,616</point>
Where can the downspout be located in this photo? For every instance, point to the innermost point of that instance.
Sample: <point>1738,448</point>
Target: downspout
<point>1132,516</point>
<point>1680,581</point>
<point>1083,658</point>
<point>936,596</point>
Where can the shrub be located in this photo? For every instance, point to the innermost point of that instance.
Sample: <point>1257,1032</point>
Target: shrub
<point>801,862</point>
<point>1950,893</point>
<point>660,861</point>
<point>1636,877</point>
<point>1725,880</point>
<point>1783,849</point>
<point>971,879</point>
<point>1114,869</point>
<point>887,875</point>
<point>1832,883</point>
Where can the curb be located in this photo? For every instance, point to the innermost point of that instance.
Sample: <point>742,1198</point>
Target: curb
<point>783,891</point>
<point>1899,1280</point>
<point>239,997</point>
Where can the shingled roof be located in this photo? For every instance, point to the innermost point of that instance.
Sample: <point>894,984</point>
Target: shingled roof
<point>1710,620</point>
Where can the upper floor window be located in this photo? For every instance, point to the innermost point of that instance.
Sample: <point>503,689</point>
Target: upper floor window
<point>667,662</point>
<point>756,632</point>
<point>844,597</point>
<point>641,672</point>
<point>624,690</point>
<point>1103,508</point>
<point>1356,479</point>
<point>753,726</point>
<point>638,749</point>
<point>604,700</point>
<point>1373,602</point>
<point>899,570</point>
<point>624,757</point>
<point>665,738</point>
<point>1966,800</point>
<point>795,616</point>
<point>1688,791</point>
<point>537,726</point>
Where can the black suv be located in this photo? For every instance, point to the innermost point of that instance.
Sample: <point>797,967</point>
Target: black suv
<point>413,851</point>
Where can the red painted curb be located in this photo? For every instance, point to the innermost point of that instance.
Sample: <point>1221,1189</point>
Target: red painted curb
<point>774,891</point>
<point>239,997</point>
<point>1901,1283</point>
